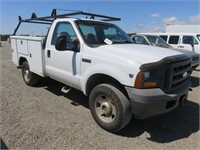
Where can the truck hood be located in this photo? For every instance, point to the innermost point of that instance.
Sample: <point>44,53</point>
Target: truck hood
<point>141,54</point>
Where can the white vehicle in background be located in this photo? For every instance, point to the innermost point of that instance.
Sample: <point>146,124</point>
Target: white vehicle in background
<point>183,28</point>
<point>187,41</point>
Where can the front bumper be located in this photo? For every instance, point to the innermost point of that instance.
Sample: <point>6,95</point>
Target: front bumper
<point>147,103</point>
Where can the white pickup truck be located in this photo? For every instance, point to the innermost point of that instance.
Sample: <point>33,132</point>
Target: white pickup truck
<point>98,58</point>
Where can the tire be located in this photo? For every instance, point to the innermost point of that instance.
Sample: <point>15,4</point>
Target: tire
<point>109,107</point>
<point>29,77</point>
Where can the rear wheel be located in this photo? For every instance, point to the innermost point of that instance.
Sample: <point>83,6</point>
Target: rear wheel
<point>29,77</point>
<point>109,107</point>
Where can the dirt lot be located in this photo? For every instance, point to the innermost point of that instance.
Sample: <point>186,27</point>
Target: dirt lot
<point>44,118</point>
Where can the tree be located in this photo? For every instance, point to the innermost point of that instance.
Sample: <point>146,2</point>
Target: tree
<point>4,37</point>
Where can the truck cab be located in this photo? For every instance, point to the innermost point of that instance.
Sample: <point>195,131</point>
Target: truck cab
<point>122,79</point>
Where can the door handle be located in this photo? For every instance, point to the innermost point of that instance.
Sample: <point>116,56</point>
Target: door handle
<point>48,53</point>
<point>181,46</point>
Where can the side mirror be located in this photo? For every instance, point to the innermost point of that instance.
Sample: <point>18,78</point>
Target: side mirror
<point>61,42</point>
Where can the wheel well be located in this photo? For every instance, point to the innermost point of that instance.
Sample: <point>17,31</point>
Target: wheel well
<point>21,60</point>
<point>97,79</point>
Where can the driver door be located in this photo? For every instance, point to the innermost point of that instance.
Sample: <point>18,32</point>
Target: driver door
<point>63,66</point>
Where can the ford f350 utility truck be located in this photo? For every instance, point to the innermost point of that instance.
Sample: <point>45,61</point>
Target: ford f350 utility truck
<point>98,58</point>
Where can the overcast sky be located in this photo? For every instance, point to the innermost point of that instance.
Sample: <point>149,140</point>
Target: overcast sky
<point>136,15</point>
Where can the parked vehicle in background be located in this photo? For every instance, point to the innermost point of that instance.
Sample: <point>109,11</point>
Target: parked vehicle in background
<point>100,59</point>
<point>187,41</point>
<point>155,40</point>
<point>183,28</point>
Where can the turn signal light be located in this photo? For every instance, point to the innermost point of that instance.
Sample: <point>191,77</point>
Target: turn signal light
<point>150,84</point>
<point>138,80</point>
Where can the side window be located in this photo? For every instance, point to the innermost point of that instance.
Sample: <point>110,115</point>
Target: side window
<point>66,28</point>
<point>189,40</point>
<point>140,40</point>
<point>164,37</point>
<point>173,39</point>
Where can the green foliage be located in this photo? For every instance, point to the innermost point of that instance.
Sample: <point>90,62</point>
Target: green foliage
<point>4,37</point>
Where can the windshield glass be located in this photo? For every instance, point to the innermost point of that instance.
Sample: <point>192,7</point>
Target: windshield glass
<point>198,37</point>
<point>157,41</point>
<point>95,32</point>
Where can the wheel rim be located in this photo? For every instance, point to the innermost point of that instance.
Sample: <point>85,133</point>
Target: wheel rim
<point>26,74</point>
<point>105,108</point>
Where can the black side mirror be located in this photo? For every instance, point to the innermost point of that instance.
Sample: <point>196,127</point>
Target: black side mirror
<point>61,42</point>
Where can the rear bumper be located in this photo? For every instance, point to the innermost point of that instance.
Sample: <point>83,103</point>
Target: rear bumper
<point>147,103</point>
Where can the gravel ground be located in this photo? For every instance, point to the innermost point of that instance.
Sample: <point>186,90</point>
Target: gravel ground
<point>44,118</point>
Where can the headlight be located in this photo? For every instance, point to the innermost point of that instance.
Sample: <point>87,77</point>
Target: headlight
<point>146,75</point>
<point>148,79</point>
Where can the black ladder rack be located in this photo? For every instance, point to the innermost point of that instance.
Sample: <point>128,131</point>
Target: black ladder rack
<point>49,19</point>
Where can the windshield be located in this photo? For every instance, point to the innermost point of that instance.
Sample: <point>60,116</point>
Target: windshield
<point>95,32</point>
<point>157,41</point>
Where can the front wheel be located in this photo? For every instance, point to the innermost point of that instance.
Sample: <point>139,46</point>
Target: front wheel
<point>29,77</point>
<point>109,107</point>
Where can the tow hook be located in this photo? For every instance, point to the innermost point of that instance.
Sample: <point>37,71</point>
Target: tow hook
<point>190,89</point>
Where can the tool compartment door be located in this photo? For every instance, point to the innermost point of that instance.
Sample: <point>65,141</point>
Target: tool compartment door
<point>36,57</point>
<point>14,51</point>
<point>22,46</point>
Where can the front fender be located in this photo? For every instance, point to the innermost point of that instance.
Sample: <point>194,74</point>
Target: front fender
<point>122,75</point>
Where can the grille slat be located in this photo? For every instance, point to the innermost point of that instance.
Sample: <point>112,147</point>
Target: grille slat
<point>181,71</point>
<point>180,79</point>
